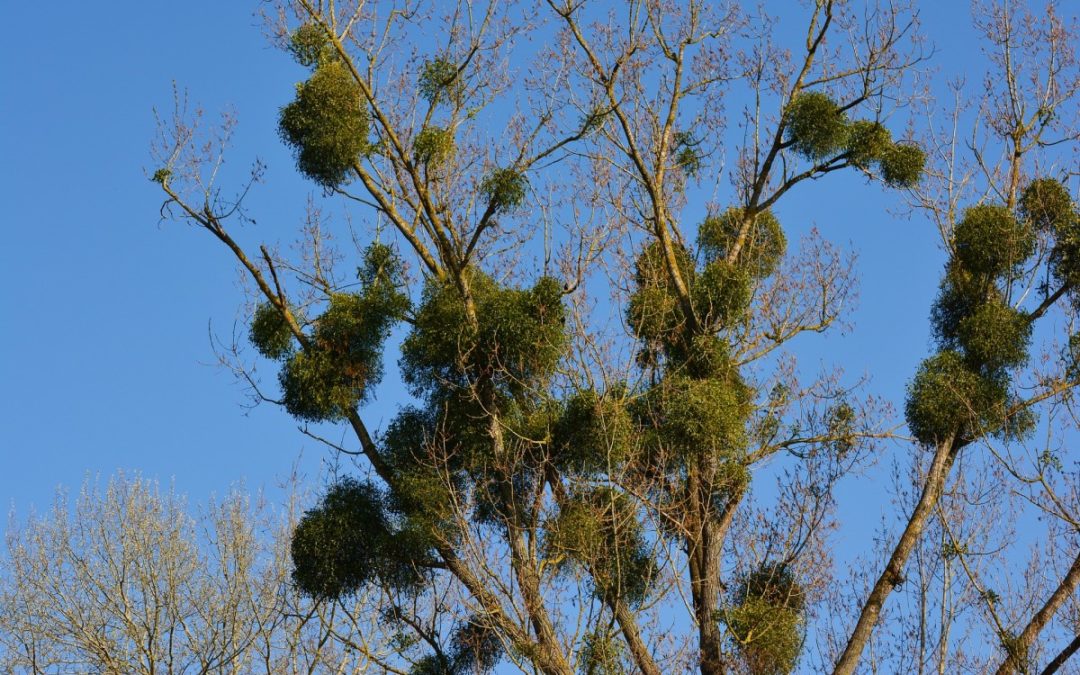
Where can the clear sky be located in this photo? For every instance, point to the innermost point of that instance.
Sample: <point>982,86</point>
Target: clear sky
<point>106,361</point>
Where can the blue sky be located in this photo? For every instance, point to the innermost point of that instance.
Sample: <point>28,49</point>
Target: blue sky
<point>106,362</point>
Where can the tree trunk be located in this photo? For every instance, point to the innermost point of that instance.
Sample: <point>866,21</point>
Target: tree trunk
<point>892,576</point>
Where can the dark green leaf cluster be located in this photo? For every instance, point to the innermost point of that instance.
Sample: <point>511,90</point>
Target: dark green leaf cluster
<point>947,399</point>
<point>773,582</point>
<point>270,332</point>
<point>425,472</point>
<point>310,46</point>
<point>654,312</point>
<point>344,358</point>
<point>348,541</point>
<point>433,146</point>
<point>971,316</point>
<point>766,620</point>
<point>960,296</point>
<point>432,664</point>
<point>326,125</point>
<point>474,650</point>
<point>594,433</point>
<point>818,128</point>
<point>593,119</point>
<point>702,406</point>
<point>995,336</point>
<point>602,653</point>
<point>762,249</point>
<point>505,189</point>
<point>868,142</point>
<point>515,345</point>
<point>721,294</point>
<point>382,280</point>
<point>704,417</point>
<point>599,528</point>
<point>816,125</point>
<point>902,165</point>
<point>687,157</point>
<point>1046,205</point>
<point>990,241</point>
<point>438,77</point>
<point>1072,357</point>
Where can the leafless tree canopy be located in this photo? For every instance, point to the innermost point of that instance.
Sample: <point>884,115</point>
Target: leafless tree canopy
<point>130,578</point>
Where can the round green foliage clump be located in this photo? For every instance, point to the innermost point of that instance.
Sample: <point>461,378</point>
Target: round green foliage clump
<point>687,157</point>
<point>517,343</point>
<point>1045,204</point>
<point>651,267</point>
<point>761,251</point>
<point>946,399</point>
<point>344,358</point>
<point>523,333</point>
<point>722,293</point>
<point>961,295</point>
<point>706,356</point>
<point>867,143</point>
<point>593,433</point>
<point>438,77</point>
<point>704,417</point>
<point>902,165</point>
<point>432,664</point>
<point>766,619</point>
<point>599,528</point>
<point>382,280</point>
<point>689,161</point>
<point>774,583</point>
<point>326,126</point>
<point>989,240</point>
<point>769,638</point>
<point>426,473</point>
<point>475,647</point>
<point>433,145</point>
<point>441,340</point>
<point>346,542</point>
<point>333,547</point>
<point>995,336</point>
<point>270,332</point>
<point>653,313</point>
<point>352,330</point>
<point>816,125</point>
<point>310,45</point>
<point>603,653</point>
<point>505,189</point>
<point>313,391</point>
<point>1071,357</point>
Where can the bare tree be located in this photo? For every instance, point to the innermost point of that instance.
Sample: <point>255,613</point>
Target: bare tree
<point>129,580</point>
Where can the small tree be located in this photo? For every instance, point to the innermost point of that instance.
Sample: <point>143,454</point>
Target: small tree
<point>128,580</point>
